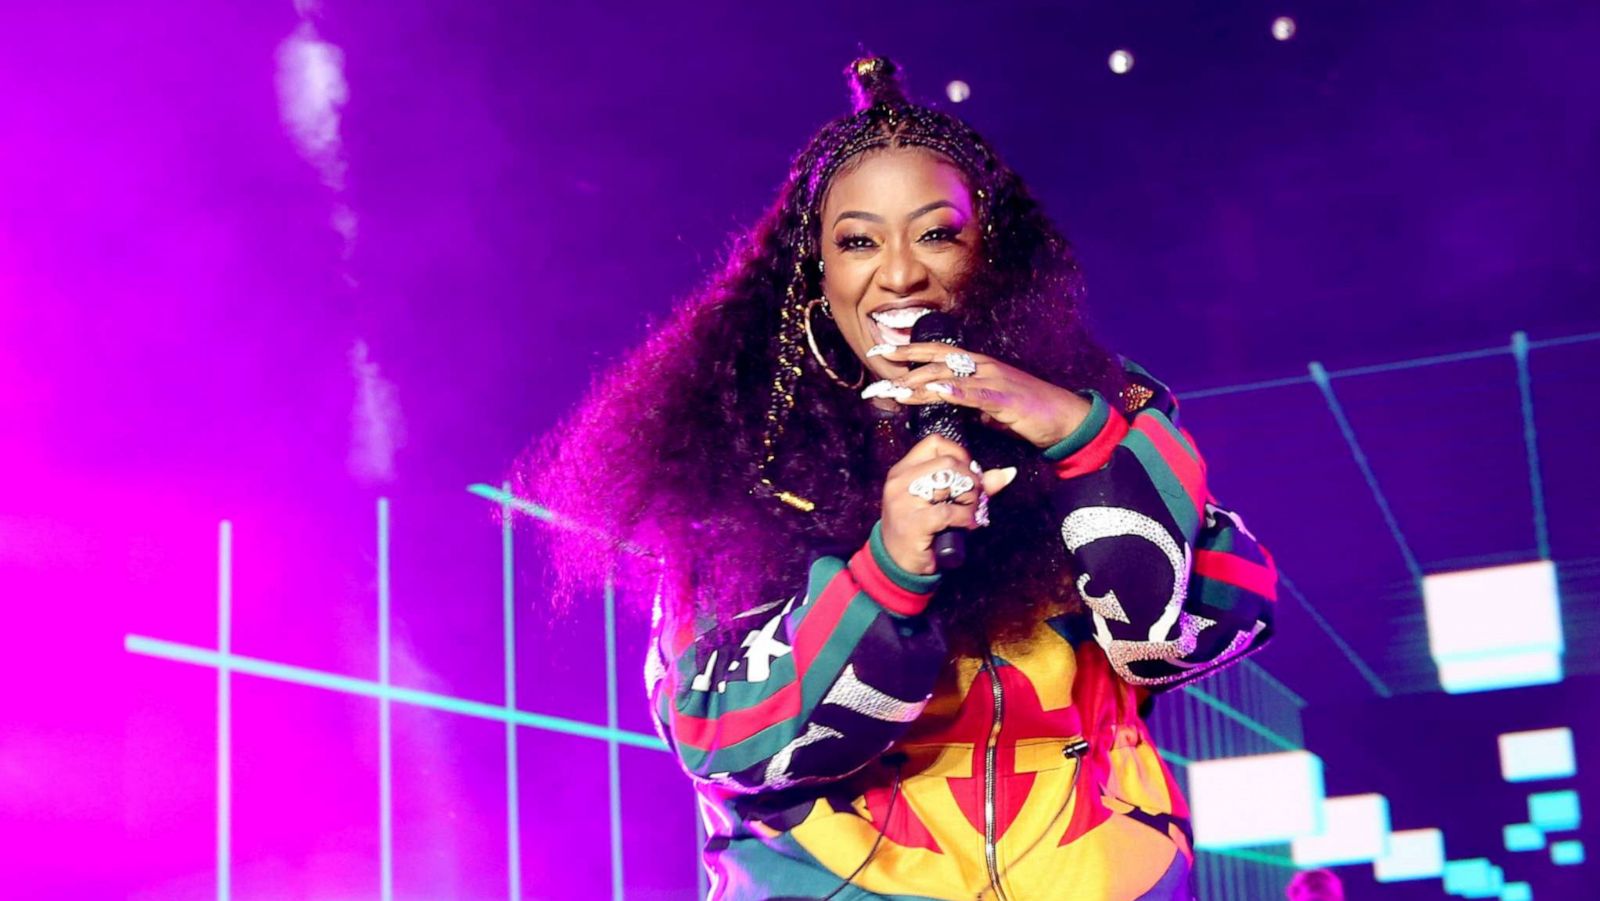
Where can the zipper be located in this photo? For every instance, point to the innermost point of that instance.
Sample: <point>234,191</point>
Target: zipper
<point>991,851</point>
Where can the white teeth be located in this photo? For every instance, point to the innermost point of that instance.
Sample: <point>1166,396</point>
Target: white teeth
<point>903,318</point>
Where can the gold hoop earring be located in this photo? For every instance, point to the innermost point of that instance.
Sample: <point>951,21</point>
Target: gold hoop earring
<point>816,352</point>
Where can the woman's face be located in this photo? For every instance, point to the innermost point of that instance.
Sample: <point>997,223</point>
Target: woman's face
<point>898,236</point>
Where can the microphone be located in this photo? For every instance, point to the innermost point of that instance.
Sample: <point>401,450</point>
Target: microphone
<point>949,546</point>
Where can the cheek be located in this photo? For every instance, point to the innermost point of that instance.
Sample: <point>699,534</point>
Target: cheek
<point>953,268</point>
<point>849,325</point>
<point>842,279</point>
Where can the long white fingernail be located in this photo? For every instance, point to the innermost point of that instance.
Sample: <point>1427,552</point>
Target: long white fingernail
<point>939,388</point>
<point>878,350</point>
<point>1010,474</point>
<point>898,393</point>
<point>876,389</point>
<point>976,469</point>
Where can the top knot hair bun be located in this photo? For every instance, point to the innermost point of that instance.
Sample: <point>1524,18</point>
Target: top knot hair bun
<point>874,81</point>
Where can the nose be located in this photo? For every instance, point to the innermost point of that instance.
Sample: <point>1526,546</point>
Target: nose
<point>902,272</point>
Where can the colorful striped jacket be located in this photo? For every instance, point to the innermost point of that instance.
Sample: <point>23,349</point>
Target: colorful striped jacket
<point>840,752</point>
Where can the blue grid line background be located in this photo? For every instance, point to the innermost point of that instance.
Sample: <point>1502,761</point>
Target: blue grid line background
<point>1243,710</point>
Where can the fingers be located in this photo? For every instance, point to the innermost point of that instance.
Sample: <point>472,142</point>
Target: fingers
<point>938,483</point>
<point>951,516</point>
<point>935,481</point>
<point>922,375</point>
<point>970,511</point>
<point>937,384</point>
<point>937,369</point>
<point>996,480</point>
<point>944,484</point>
<point>935,453</point>
<point>925,352</point>
<point>989,396</point>
<point>935,487</point>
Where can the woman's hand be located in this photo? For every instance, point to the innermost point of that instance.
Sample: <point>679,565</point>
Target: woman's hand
<point>1005,396</point>
<point>910,522</point>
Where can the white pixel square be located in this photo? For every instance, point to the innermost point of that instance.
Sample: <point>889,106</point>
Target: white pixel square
<point>1538,754</point>
<point>1477,644</point>
<point>1506,671</point>
<point>1256,800</point>
<point>1355,830</point>
<point>1413,854</point>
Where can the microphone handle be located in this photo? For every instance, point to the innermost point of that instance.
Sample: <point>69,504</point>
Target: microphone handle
<point>949,549</point>
<point>950,545</point>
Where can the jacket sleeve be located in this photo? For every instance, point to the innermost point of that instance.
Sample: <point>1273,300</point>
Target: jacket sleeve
<point>805,690</point>
<point>1176,586</point>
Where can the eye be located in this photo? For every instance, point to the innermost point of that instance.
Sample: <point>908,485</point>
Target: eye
<point>940,234</point>
<point>854,242</point>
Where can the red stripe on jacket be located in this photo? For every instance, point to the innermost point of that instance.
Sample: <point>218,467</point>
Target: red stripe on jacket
<point>734,726</point>
<point>1183,463</point>
<point>1235,570</point>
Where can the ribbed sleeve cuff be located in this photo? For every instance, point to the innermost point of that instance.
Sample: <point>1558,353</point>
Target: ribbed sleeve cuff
<point>1090,445</point>
<point>885,581</point>
<point>1099,412</point>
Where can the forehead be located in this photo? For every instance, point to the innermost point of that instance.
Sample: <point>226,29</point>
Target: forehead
<point>899,177</point>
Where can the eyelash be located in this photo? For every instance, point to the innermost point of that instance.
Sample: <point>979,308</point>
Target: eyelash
<point>941,234</point>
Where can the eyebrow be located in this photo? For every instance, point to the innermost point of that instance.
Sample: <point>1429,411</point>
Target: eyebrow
<point>874,217</point>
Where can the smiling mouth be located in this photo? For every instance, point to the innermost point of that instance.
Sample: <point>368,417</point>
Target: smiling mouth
<point>894,326</point>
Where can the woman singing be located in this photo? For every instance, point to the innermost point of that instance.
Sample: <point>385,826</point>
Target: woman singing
<point>859,723</point>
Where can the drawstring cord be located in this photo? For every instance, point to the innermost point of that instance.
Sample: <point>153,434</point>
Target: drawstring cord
<point>900,760</point>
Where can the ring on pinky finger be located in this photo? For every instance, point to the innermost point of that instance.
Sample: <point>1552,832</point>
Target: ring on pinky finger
<point>981,515</point>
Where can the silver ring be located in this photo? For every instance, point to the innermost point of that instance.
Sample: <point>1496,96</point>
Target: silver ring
<point>926,486</point>
<point>961,364</point>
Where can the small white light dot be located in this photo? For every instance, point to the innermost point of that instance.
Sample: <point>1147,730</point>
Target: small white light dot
<point>1120,62</point>
<point>1283,28</point>
<point>957,91</point>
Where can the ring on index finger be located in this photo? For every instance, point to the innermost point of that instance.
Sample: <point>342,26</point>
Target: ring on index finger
<point>961,364</point>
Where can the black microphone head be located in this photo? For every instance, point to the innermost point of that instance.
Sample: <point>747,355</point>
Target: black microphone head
<point>938,327</point>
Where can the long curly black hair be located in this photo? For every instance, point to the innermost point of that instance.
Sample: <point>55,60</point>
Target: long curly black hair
<point>722,446</point>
